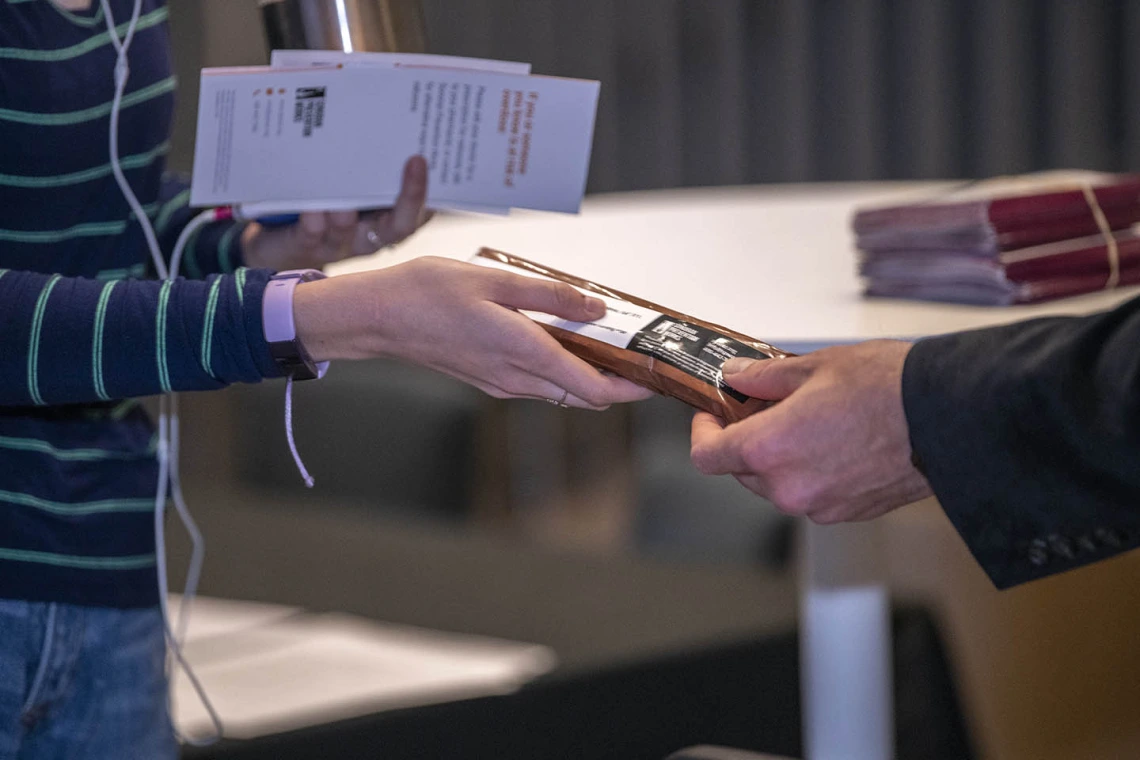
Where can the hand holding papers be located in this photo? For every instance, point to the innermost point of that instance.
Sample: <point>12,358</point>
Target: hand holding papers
<point>333,134</point>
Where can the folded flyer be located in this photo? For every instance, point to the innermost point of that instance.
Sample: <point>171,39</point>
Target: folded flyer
<point>297,59</point>
<point>337,136</point>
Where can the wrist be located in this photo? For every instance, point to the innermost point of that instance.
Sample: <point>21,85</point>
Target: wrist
<point>338,317</point>
<point>316,324</point>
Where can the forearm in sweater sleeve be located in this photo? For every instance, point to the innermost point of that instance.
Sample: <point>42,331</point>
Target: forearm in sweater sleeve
<point>71,340</point>
<point>1030,437</point>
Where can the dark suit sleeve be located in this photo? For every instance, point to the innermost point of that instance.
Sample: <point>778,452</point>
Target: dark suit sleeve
<point>1030,437</point>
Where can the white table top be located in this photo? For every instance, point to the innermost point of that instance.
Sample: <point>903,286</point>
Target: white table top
<point>269,669</point>
<point>775,261</point>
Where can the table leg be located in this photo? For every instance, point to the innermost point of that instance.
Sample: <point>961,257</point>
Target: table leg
<point>845,645</point>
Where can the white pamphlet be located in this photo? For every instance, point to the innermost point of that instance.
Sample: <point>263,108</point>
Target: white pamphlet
<point>338,137</point>
<point>297,59</point>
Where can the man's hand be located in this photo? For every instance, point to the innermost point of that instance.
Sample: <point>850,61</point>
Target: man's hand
<point>835,448</point>
<point>460,319</point>
<point>321,237</point>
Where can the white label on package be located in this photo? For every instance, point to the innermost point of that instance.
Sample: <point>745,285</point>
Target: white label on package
<point>620,325</point>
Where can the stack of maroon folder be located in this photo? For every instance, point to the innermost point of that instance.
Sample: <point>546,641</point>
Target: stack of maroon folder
<point>1003,242</point>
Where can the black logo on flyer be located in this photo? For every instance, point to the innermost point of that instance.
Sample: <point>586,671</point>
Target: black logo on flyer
<point>309,109</point>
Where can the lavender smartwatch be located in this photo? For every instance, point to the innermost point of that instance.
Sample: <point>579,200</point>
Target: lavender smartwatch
<point>281,331</point>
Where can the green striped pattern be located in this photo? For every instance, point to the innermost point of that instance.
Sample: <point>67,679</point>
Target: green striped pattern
<point>134,270</point>
<point>35,445</point>
<point>225,248</point>
<point>97,341</point>
<point>87,229</point>
<point>135,161</point>
<point>208,327</point>
<point>154,18</point>
<point>88,114</point>
<point>125,407</point>
<point>160,336</point>
<point>104,506</point>
<point>189,262</point>
<point>34,342</point>
<point>130,562</point>
<point>78,20</point>
<point>239,282</point>
<point>174,204</point>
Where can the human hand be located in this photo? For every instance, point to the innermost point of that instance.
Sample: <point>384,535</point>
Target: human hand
<point>836,447</point>
<point>322,237</point>
<point>459,319</point>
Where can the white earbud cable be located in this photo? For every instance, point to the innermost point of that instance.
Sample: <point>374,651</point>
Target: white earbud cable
<point>168,423</point>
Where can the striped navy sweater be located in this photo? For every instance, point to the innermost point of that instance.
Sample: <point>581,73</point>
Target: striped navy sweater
<point>82,331</point>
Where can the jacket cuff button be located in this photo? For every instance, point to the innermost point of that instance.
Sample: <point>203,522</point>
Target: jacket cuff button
<point>1062,546</point>
<point>1038,552</point>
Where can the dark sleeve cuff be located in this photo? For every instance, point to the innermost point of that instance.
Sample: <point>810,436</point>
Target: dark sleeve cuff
<point>1017,430</point>
<point>254,282</point>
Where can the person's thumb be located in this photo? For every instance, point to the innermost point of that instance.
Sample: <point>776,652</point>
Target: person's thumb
<point>769,379</point>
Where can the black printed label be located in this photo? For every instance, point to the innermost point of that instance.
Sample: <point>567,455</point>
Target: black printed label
<point>309,109</point>
<point>696,351</point>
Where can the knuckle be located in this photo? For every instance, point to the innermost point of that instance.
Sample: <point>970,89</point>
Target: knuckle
<point>595,397</point>
<point>703,458</point>
<point>790,498</point>
<point>343,220</point>
<point>402,227</point>
<point>567,298</point>
<point>757,454</point>
<point>514,385</point>
<point>313,224</point>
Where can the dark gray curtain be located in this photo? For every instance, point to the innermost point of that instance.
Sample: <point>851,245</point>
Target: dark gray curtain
<point>700,92</point>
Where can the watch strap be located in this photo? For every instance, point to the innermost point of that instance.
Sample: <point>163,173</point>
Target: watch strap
<point>280,329</point>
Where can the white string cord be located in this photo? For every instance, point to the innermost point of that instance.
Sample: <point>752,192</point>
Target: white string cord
<point>168,423</point>
<point>198,543</point>
<point>167,464</point>
<point>289,433</point>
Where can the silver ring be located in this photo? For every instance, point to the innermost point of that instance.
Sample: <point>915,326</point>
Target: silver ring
<point>373,238</point>
<point>562,401</point>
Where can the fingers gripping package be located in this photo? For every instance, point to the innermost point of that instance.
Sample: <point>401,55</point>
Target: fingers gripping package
<point>664,350</point>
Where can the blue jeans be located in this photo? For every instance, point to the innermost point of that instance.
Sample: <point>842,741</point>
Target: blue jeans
<point>82,682</point>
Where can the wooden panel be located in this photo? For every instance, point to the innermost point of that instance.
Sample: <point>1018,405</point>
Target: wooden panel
<point>1049,670</point>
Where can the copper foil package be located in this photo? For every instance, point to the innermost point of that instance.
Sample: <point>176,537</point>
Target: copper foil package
<point>669,352</point>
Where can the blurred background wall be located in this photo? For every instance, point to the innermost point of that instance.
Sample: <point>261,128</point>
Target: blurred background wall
<point>706,92</point>
<point>695,92</point>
